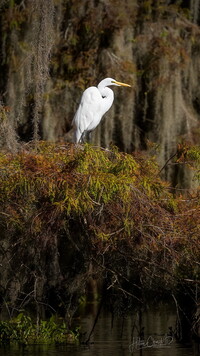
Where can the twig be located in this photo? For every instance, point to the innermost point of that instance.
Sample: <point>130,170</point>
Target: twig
<point>166,163</point>
<point>95,322</point>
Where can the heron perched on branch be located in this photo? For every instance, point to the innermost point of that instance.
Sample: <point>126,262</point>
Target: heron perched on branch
<point>95,102</point>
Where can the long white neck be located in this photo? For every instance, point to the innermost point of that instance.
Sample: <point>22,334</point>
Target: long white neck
<point>107,96</point>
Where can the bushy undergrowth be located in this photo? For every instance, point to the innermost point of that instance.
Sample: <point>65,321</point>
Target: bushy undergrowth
<point>24,330</point>
<point>69,214</point>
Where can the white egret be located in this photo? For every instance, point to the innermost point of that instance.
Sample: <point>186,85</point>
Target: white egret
<point>95,102</point>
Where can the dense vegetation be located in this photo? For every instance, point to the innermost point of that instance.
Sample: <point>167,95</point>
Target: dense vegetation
<point>50,54</point>
<point>71,215</point>
<point>24,330</point>
<point>80,218</point>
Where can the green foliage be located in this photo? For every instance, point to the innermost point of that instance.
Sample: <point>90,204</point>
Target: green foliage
<point>69,181</point>
<point>81,204</point>
<point>190,155</point>
<point>22,329</point>
<point>193,155</point>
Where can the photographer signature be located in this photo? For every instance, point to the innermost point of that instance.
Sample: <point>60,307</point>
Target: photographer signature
<point>150,342</point>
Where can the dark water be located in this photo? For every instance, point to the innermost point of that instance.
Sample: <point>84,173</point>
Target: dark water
<point>119,337</point>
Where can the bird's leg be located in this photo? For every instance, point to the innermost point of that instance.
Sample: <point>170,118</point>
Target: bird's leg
<point>77,136</point>
<point>89,136</point>
<point>83,138</point>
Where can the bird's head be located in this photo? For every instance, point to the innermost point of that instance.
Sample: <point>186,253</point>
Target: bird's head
<point>119,84</point>
<point>110,81</point>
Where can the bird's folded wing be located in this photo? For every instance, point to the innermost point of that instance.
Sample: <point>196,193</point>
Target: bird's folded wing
<point>87,115</point>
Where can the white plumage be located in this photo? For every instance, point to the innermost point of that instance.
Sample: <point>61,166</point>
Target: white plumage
<point>95,102</point>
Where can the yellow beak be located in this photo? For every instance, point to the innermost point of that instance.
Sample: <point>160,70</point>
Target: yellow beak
<point>122,84</point>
